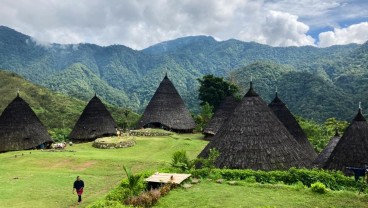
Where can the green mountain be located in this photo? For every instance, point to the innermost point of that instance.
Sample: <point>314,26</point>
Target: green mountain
<point>312,95</point>
<point>128,78</point>
<point>55,110</point>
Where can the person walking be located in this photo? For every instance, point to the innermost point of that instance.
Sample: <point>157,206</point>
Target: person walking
<point>78,187</point>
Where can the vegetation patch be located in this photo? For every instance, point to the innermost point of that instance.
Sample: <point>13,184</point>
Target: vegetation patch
<point>334,180</point>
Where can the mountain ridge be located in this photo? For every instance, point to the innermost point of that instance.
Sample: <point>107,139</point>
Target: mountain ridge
<point>130,77</point>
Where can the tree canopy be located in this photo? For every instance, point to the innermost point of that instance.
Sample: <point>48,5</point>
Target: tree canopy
<point>214,89</point>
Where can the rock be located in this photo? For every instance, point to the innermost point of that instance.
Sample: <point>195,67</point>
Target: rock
<point>220,180</point>
<point>232,182</point>
<point>195,180</point>
<point>187,185</point>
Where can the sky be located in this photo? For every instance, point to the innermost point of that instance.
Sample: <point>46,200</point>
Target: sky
<point>141,23</point>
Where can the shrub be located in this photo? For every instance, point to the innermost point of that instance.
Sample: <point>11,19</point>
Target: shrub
<point>334,180</point>
<point>318,187</point>
<point>133,181</point>
<point>118,194</point>
<point>299,186</point>
<point>180,160</point>
<point>165,189</point>
<point>251,179</point>
<point>145,199</point>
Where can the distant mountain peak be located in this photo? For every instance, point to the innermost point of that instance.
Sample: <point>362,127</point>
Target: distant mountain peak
<point>182,42</point>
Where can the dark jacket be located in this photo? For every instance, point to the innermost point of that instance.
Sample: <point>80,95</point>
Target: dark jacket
<point>78,184</point>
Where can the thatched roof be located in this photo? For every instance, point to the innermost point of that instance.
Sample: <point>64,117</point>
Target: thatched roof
<point>325,154</point>
<point>352,148</point>
<point>253,137</point>
<point>167,110</point>
<point>289,121</point>
<point>222,113</point>
<point>20,128</point>
<point>95,122</point>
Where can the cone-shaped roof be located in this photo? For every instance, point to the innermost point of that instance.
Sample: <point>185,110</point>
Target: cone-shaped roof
<point>222,113</point>
<point>325,154</point>
<point>289,121</point>
<point>20,128</point>
<point>95,122</point>
<point>352,149</point>
<point>253,137</point>
<point>166,109</point>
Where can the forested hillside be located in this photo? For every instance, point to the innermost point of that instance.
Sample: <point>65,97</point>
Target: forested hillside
<point>316,83</point>
<point>55,110</point>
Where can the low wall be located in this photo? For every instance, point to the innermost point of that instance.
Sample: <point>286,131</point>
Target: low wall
<point>148,133</point>
<point>108,145</point>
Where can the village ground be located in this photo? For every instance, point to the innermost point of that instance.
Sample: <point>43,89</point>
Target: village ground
<point>44,179</point>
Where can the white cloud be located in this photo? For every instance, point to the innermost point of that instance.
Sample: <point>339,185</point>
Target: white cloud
<point>141,23</point>
<point>357,33</point>
<point>280,29</point>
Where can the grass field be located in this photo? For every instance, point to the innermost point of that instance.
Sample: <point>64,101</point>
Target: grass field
<point>45,179</point>
<point>211,194</point>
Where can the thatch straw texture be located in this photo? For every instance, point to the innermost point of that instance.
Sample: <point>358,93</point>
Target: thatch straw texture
<point>254,138</point>
<point>20,128</point>
<point>222,113</point>
<point>352,148</point>
<point>289,121</point>
<point>167,110</point>
<point>325,154</point>
<point>95,122</point>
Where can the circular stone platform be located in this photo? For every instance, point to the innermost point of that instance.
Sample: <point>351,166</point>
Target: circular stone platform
<point>114,142</point>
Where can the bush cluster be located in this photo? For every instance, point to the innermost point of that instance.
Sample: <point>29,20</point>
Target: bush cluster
<point>135,195</point>
<point>149,198</point>
<point>333,180</point>
<point>318,187</point>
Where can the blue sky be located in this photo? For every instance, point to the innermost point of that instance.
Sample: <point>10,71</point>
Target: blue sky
<point>141,23</point>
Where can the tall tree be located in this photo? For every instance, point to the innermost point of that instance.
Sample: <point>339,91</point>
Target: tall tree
<point>213,90</point>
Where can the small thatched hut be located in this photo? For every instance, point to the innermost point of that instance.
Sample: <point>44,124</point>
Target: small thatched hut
<point>253,137</point>
<point>20,128</point>
<point>352,148</point>
<point>322,158</point>
<point>167,110</point>
<point>289,121</point>
<point>222,113</point>
<point>95,122</point>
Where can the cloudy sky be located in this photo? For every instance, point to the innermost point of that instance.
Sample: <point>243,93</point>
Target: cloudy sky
<point>141,23</point>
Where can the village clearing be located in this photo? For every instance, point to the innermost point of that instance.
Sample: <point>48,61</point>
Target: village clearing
<point>36,178</point>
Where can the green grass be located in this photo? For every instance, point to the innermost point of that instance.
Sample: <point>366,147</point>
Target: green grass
<point>211,194</point>
<point>45,179</point>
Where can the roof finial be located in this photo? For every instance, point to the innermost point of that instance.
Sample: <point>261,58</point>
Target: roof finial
<point>166,74</point>
<point>359,116</point>
<point>276,91</point>
<point>95,94</point>
<point>18,92</point>
<point>251,80</point>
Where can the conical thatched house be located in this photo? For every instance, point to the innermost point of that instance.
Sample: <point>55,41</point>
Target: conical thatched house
<point>222,113</point>
<point>95,122</point>
<point>352,148</point>
<point>20,128</point>
<point>253,137</point>
<point>167,110</point>
<point>325,154</point>
<point>289,121</point>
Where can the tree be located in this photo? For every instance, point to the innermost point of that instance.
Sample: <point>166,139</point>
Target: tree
<point>213,90</point>
<point>205,116</point>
